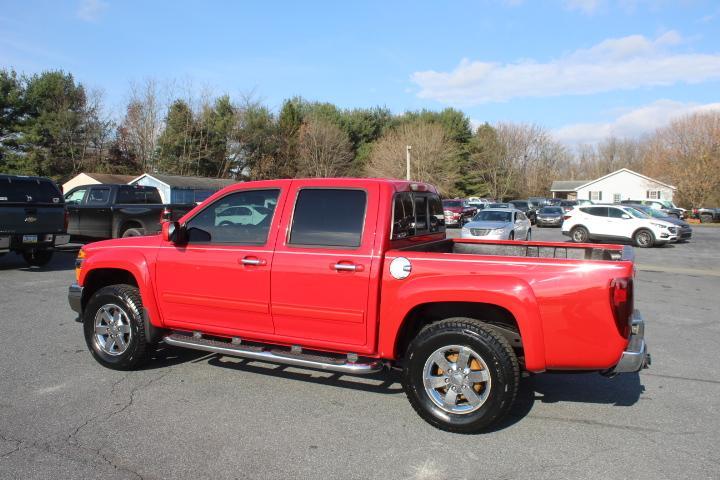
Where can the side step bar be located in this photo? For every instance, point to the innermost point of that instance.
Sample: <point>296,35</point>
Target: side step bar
<point>275,355</point>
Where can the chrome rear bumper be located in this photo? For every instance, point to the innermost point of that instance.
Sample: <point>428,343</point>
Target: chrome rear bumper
<point>636,355</point>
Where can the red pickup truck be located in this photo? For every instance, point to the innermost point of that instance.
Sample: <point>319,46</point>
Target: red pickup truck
<point>357,275</point>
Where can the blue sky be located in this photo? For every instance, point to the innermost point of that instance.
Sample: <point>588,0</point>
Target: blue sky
<point>582,68</point>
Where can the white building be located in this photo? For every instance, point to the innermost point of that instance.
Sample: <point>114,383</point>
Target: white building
<point>625,184</point>
<point>614,187</point>
<point>179,189</point>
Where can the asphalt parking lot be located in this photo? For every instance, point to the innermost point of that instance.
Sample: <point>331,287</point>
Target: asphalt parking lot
<point>190,415</point>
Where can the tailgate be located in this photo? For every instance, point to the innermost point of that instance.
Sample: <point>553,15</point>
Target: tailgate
<point>22,219</point>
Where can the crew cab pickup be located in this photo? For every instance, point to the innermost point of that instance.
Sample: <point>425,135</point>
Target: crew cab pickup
<point>357,275</point>
<point>112,211</point>
<point>32,218</point>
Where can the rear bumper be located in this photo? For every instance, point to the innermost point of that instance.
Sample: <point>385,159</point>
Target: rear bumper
<point>75,298</point>
<point>636,355</point>
<point>21,242</point>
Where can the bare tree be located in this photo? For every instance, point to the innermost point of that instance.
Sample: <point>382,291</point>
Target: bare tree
<point>434,155</point>
<point>687,154</point>
<point>324,149</point>
<point>143,122</point>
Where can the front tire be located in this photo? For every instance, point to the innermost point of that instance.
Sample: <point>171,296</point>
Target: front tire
<point>460,376</point>
<point>644,238</point>
<point>37,258</point>
<point>114,327</point>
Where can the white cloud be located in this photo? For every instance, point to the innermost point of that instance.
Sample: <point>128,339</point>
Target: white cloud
<point>585,6</point>
<point>91,10</point>
<point>614,64</point>
<point>631,123</point>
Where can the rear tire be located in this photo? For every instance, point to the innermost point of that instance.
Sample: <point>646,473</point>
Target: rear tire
<point>114,327</point>
<point>512,235</point>
<point>528,237</point>
<point>37,258</point>
<point>579,235</point>
<point>133,232</point>
<point>479,381</point>
<point>644,238</point>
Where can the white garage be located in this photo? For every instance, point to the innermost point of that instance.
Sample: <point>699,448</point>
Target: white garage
<point>624,184</point>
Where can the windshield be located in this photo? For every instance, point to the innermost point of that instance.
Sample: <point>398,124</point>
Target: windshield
<point>492,216</point>
<point>498,205</point>
<point>552,210</point>
<point>636,213</point>
<point>520,204</point>
<point>667,204</point>
<point>452,203</point>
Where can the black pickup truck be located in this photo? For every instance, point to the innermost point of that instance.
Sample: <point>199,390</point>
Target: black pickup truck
<point>32,218</point>
<point>112,211</point>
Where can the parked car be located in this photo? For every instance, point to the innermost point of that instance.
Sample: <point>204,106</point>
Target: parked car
<point>32,218</point>
<point>539,202</point>
<point>498,224</point>
<point>457,212</point>
<point>526,207</point>
<point>685,230</point>
<point>617,223</point>
<point>707,215</point>
<point>663,205</point>
<point>112,211</point>
<point>550,217</point>
<point>568,205</point>
<point>499,205</point>
<point>362,278</point>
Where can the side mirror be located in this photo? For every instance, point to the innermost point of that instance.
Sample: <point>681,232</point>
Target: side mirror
<point>172,232</point>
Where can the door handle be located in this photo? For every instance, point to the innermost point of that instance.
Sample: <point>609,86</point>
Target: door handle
<point>252,261</point>
<point>347,267</point>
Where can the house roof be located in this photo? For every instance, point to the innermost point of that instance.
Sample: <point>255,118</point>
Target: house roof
<point>179,181</point>
<point>566,185</point>
<point>110,177</point>
<point>628,171</point>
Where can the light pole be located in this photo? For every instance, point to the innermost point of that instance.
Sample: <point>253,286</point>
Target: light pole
<point>407,157</point>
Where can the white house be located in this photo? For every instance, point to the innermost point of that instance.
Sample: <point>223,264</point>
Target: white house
<point>614,187</point>
<point>624,184</point>
<point>94,179</point>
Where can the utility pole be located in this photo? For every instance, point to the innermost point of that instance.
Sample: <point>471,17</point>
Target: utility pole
<point>407,156</point>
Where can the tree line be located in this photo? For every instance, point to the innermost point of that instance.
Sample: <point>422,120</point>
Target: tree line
<point>51,125</point>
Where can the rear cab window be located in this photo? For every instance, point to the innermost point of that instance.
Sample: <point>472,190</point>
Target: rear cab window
<point>130,195</point>
<point>29,190</point>
<point>417,213</point>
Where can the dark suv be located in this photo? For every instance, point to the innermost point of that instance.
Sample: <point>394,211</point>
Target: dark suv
<point>32,218</point>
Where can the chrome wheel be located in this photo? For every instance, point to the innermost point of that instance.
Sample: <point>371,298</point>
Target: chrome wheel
<point>112,329</point>
<point>578,235</point>
<point>456,379</point>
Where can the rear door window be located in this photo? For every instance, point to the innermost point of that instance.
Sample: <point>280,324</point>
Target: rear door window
<point>98,196</point>
<point>595,211</point>
<point>326,217</point>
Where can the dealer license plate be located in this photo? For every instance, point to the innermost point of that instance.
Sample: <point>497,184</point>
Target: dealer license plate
<point>29,238</point>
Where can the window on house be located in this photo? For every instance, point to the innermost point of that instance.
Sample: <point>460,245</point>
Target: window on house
<point>653,194</point>
<point>596,196</point>
<point>616,198</point>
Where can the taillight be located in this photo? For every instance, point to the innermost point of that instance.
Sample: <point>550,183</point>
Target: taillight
<point>165,215</point>
<point>67,220</point>
<point>566,217</point>
<point>621,300</point>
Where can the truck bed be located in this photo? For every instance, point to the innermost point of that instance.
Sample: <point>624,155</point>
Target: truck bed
<point>564,250</point>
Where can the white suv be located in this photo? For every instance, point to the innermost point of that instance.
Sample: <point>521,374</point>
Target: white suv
<point>619,223</point>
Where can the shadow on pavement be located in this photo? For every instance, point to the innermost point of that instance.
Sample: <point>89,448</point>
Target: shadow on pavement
<point>61,260</point>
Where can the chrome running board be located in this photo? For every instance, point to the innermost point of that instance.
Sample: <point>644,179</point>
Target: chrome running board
<point>274,355</point>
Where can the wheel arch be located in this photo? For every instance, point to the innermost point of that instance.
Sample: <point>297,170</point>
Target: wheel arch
<point>507,305</point>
